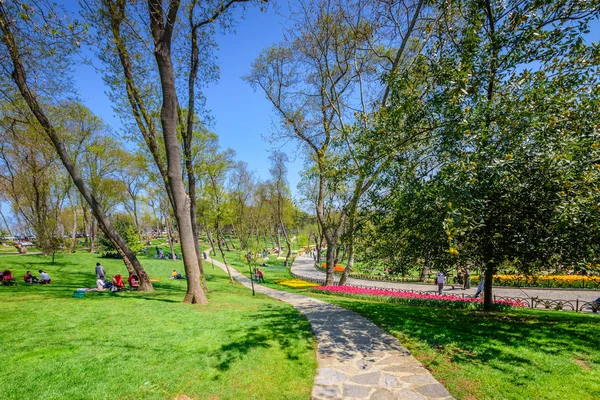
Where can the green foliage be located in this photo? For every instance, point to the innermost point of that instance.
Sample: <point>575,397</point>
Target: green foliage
<point>509,172</point>
<point>125,226</point>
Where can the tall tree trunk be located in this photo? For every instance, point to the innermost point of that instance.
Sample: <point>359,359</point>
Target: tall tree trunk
<point>226,242</point>
<point>330,277</point>
<point>5,223</point>
<point>329,236</point>
<point>138,228</point>
<point>158,228</point>
<point>426,268</point>
<point>170,238</point>
<point>86,242</point>
<point>490,266</point>
<point>187,135</point>
<point>210,240</point>
<point>287,241</point>
<point>231,242</point>
<point>20,79</point>
<point>318,242</point>
<point>350,229</point>
<point>162,34</point>
<point>278,239</point>
<point>350,263</point>
<point>223,255</point>
<point>93,235</point>
<point>74,235</point>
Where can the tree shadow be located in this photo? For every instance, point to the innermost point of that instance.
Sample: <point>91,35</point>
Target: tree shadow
<point>479,337</point>
<point>283,328</point>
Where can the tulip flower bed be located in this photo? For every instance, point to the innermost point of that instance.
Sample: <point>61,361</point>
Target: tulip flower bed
<point>296,283</point>
<point>552,281</point>
<point>413,299</point>
<point>337,268</point>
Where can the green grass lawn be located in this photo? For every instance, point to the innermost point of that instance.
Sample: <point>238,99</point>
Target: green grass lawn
<point>275,270</point>
<point>146,345</point>
<point>521,354</point>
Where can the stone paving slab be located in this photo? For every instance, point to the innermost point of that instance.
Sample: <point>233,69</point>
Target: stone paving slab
<point>357,359</point>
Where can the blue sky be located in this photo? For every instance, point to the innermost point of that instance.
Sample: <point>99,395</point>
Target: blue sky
<point>243,119</point>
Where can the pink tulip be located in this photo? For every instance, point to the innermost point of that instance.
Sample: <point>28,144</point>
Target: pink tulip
<point>352,290</point>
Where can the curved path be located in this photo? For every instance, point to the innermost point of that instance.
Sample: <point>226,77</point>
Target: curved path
<point>304,267</point>
<point>357,359</point>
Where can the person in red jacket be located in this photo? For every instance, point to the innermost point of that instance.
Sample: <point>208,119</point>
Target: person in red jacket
<point>8,278</point>
<point>261,276</point>
<point>29,278</point>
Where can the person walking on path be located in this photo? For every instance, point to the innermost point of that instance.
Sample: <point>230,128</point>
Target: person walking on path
<point>480,286</point>
<point>467,279</point>
<point>261,276</point>
<point>440,279</point>
<point>100,271</point>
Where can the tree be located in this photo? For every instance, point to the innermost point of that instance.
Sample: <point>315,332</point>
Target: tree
<point>518,104</point>
<point>125,225</point>
<point>31,178</point>
<point>325,83</point>
<point>280,196</point>
<point>126,40</point>
<point>37,25</point>
<point>133,172</point>
<point>242,185</point>
<point>214,167</point>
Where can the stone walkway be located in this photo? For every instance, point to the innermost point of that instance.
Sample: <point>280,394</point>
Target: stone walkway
<point>304,267</point>
<point>357,359</point>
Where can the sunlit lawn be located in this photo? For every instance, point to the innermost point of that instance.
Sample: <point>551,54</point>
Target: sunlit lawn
<point>146,345</point>
<point>522,354</point>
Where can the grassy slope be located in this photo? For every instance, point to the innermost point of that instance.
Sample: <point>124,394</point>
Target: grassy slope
<point>146,345</point>
<point>523,354</point>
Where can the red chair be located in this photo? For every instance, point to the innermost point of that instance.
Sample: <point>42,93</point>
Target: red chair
<point>134,283</point>
<point>118,282</point>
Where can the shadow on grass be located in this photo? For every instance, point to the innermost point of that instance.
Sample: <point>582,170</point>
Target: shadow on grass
<point>469,336</point>
<point>281,327</point>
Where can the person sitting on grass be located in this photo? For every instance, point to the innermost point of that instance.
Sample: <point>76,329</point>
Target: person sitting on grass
<point>133,281</point>
<point>45,278</point>
<point>176,275</point>
<point>118,284</point>
<point>29,278</point>
<point>7,278</point>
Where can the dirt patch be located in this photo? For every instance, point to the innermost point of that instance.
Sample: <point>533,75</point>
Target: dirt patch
<point>583,364</point>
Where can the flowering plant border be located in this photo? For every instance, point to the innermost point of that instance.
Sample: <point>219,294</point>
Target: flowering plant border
<point>415,299</point>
